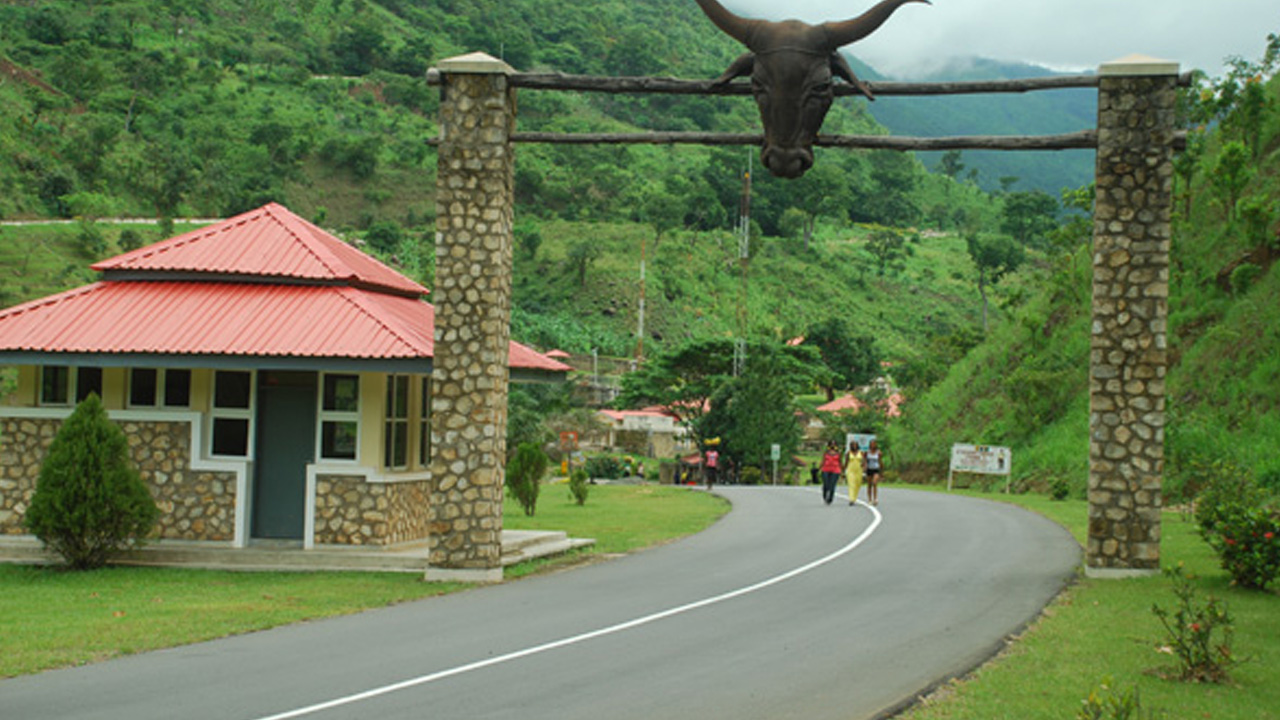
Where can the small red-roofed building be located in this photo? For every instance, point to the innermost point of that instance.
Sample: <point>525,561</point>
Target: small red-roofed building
<point>274,383</point>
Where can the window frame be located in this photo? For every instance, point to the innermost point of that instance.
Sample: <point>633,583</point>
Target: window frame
<point>396,426</point>
<point>233,413</point>
<point>326,416</point>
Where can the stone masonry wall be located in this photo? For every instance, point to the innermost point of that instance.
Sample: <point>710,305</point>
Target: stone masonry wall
<point>353,511</point>
<point>473,314</point>
<point>194,505</point>
<point>1130,308</point>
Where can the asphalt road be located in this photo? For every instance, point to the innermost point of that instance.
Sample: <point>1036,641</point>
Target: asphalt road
<point>787,608</point>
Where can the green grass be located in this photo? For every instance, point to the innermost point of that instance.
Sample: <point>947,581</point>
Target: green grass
<point>52,618</point>
<point>1101,628</point>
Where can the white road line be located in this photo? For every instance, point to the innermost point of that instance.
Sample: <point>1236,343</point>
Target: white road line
<point>620,627</point>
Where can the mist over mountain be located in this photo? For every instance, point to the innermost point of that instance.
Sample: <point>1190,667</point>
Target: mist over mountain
<point>1038,113</point>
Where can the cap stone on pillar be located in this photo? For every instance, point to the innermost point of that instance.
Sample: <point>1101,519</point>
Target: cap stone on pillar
<point>475,63</point>
<point>1133,65</point>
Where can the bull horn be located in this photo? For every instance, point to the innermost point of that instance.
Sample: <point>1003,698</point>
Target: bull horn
<point>850,31</point>
<point>736,27</point>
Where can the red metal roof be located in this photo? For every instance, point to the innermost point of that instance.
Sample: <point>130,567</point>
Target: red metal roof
<point>236,319</point>
<point>270,242</point>
<point>263,284</point>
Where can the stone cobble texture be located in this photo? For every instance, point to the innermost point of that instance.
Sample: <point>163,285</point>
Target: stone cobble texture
<point>194,505</point>
<point>473,314</point>
<point>1129,356</point>
<point>353,511</point>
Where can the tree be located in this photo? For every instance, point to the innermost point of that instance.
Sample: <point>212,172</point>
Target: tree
<point>752,412</point>
<point>1231,175</point>
<point>888,248</point>
<point>90,503</point>
<point>524,476</point>
<point>853,360</point>
<point>582,255</point>
<point>685,379</point>
<point>951,165</point>
<point>1029,216</point>
<point>995,257</point>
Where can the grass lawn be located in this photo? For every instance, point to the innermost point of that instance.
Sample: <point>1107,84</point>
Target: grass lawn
<point>1105,628</point>
<point>51,618</point>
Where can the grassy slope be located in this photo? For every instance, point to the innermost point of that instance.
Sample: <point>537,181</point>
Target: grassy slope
<point>1105,628</point>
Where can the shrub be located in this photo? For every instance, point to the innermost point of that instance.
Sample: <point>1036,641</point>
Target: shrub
<point>90,503</point>
<point>751,475</point>
<point>1107,703</point>
<point>1197,635</point>
<point>579,486</point>
<point>604,467</point>
<point>1059,489</point>
<point>1241,529</point>
<point>524,475</point>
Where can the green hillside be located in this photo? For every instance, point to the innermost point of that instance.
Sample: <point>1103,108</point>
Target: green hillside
<point>1027,385</point>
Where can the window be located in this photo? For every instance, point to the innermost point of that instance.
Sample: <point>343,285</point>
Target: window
<point>55,385</point>
<point>424,424</point>
<point>177,388</point>
<point>142,387</point>
<point>396,427</point>
<point>149,387</point>
<point>60,384</point>
<point>339,417</point>
<point>232,403</point>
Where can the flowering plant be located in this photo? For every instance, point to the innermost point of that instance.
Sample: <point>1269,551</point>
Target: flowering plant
<point>1248,544</point>
<point>1198,634</point>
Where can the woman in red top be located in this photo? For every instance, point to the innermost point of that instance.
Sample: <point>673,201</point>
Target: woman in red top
<point>831,468</point>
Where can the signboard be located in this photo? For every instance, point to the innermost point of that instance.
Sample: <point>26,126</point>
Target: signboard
<point>982,459</point>
<point>863,440</point>
<point>775,452</point>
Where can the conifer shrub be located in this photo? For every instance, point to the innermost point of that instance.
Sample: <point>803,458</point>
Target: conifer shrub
<point>90,503</point>
<point>524,475</point>
<point>579,486</point>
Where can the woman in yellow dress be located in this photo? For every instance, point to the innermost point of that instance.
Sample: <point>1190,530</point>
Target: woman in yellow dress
<point>853,469</point>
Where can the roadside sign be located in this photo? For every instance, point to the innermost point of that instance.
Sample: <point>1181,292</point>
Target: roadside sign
<point>980,459</point>
<point>775,452</point>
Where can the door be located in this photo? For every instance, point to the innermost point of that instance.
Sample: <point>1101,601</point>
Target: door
<point>286,440</point>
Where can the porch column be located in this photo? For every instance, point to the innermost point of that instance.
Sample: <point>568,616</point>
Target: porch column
<point>1131,235</point>
<point>472,297</point>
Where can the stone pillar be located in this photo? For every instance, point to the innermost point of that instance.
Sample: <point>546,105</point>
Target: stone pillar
<point>1128,361</point>
<point>472,297</point>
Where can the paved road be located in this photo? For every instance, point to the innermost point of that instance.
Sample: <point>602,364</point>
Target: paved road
<point>787,608</point>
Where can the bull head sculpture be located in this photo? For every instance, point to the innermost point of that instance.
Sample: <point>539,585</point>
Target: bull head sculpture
<point>792,64</point>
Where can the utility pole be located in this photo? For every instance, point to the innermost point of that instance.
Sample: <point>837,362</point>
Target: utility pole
<point>744,256</point>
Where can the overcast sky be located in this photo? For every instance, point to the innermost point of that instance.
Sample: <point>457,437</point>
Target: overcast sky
<point>1070,35</point>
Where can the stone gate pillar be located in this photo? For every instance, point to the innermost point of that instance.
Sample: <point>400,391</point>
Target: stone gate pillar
<point>1131,237</point>
<point>472,297</point>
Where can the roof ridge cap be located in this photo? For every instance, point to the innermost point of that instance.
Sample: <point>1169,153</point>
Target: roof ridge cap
<point>357,297</point>
<point>303,232</point>
<point>47,300</point>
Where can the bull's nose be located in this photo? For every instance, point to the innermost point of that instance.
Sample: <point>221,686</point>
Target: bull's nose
<point>788,163</point>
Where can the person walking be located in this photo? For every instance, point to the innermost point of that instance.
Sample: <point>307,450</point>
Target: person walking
<point>853,469</point>
<point>875,465</point>
<point>711,467</point>
<point>831,468</point>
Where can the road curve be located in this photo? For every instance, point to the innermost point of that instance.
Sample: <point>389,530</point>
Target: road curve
<point>787,608</point>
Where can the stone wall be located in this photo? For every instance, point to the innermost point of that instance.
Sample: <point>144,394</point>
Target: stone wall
<point>473,314</point>
<point>194,505</point>
<point>353,511</point>
<point>1130,308</point>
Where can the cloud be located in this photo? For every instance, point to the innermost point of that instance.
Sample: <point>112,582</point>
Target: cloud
<point>1061,34</point>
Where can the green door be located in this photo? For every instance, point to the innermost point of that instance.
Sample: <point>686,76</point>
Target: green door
<point>286,441</point>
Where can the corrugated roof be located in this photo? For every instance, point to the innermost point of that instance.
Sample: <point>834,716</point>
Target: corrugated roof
<point>237,319</point>
<point>270,242</point>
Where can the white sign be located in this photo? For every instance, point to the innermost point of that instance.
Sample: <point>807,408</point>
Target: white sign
<point>775,452</point>
<point>985,459</point>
